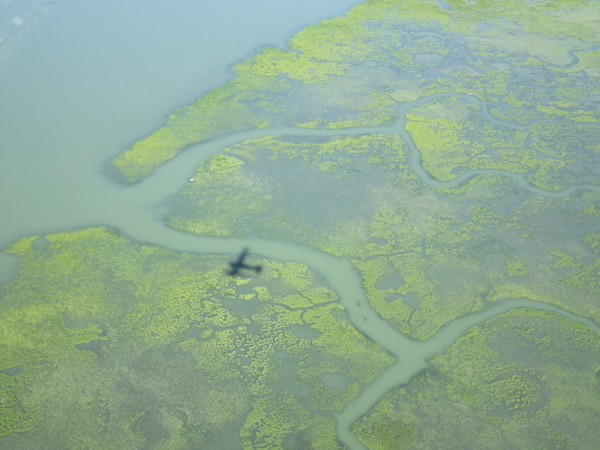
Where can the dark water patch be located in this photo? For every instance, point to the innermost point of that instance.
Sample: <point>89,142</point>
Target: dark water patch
<point>151,426</point>
<point>445,5</point>
<point>314,195</point>
<point>411,300</point>
<point>377,240</point>
<point>75,322</point>
<point>193,332</point>
<point>40,243</point>
<point>245,289</point>
<point>245,361</point>
<point>353,171</point>
<point>536,334</point>
<point>242,308</point>
<point>389,281</point>
<point>176,205</point>
<point>12,371</point>
<point>335,380</point>
<point>304,331</point>
<point>288,365</point>
<point>252,327</point>
<point>9,265</point>
<point>300,139</point>
<point>299,440</point>
<point>392,297</point>
<point>95,346</point>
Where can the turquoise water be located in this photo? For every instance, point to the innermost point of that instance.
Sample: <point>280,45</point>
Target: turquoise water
<point>82,80</point>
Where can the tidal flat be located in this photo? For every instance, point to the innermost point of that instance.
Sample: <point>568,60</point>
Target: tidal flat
<point>418,181</point>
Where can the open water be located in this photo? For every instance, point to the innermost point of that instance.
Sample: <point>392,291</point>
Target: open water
<point>80,81</point>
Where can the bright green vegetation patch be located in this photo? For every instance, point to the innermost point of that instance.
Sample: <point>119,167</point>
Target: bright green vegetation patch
<point>214,114</point>
<point>522,380</point>
<point>306,189</point>
<point>516,269</point>
<point>109,344</point>
<point>280,422</point>
<point>427,256</point>
<point>356,69</point>
<point>453,136</point>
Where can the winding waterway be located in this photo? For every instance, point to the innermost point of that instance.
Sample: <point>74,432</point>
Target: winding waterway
<point>412,355</point>
<point>135,211</point>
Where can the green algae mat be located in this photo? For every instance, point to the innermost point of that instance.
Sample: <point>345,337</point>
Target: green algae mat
<point>450,151</point>
<point>152,348</point>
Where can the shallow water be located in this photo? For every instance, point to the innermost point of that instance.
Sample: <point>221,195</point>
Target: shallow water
<point>81,81</point>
